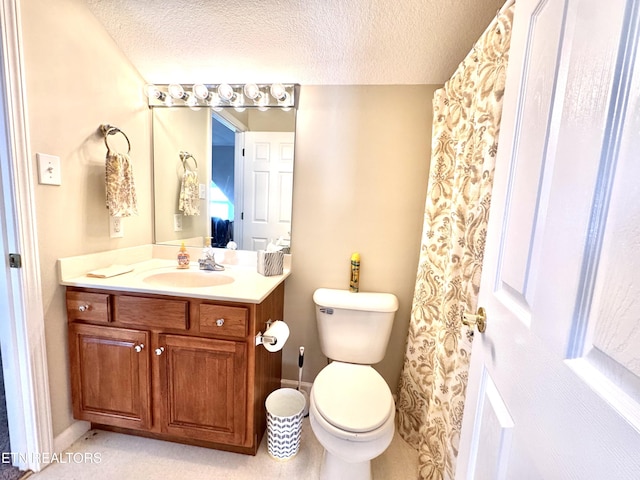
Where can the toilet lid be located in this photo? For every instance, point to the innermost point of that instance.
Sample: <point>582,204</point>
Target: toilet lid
<point>352,397</point>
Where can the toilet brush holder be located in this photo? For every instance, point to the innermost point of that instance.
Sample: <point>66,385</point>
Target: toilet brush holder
<point>305,412</point>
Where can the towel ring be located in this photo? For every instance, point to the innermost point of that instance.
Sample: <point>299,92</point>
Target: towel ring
<point>184,156</point>
<point>111,130</point>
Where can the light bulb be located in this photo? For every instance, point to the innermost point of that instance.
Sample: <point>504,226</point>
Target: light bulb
<point>251,90</point>
<point>154,92</point>
<point>177,92</point>
<point>192,101</point>
<point>225,91</point>
<point>200,91</point>
<point>277,91</point>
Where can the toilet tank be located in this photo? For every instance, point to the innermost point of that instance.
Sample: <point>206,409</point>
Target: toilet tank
<point>354,327</point>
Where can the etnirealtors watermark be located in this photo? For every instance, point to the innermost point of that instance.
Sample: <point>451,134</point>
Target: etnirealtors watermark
<point>46,457</point>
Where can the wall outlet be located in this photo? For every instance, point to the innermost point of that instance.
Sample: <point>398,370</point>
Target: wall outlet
<point>177,222</point>
<point>116,228</point>
<point>202,191</point>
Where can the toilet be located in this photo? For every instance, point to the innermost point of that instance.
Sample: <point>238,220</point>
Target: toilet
<point>351,408</point>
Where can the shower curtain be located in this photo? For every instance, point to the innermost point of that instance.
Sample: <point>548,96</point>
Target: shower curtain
<point>466,121</point>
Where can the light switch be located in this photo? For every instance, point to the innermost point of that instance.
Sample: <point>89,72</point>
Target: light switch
<point>202,191</point>
<point>48,169</point>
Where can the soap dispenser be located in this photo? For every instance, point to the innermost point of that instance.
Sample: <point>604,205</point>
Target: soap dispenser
<point>183,257</point>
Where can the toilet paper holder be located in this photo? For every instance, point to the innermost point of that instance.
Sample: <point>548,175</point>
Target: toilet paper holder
<point>262,339</point>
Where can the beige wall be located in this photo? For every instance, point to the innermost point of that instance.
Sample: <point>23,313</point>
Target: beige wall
<point>360,182</point>
<point>362,157</point>
<point>176,130</point>
<point>76,80</point>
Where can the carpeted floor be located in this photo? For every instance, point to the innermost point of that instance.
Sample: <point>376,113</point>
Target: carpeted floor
<point>7,471</point>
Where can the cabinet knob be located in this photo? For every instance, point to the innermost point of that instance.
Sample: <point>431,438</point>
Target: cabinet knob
<point>220,322</point>
<point>159,351</point>
<point>83,308</point>
<point>138,348</point>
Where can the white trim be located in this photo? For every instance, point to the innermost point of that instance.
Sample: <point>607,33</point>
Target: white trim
<point>230,121</point>
<point>238,189</point>
<point>284,383</point>
<point>31,427</point>
<point>70,435</point>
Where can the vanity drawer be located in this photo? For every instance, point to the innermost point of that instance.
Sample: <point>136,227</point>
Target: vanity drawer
<point>88,306</point>
<point>151,312</point>
<point>224,320</point>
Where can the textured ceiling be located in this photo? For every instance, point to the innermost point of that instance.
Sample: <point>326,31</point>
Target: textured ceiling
<point>312,42</point>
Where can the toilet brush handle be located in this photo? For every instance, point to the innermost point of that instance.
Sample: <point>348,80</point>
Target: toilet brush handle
<point>301,357</point>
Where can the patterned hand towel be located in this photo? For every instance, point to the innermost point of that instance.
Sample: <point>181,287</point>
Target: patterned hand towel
<point>121,190</point>
<point>190,194</point>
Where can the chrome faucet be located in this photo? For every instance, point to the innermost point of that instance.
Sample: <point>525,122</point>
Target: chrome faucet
<point>208,261</point>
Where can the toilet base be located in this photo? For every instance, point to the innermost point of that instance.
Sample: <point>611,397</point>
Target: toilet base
<point>334,468</point>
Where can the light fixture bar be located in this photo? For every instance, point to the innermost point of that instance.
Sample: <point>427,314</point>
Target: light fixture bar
<point>215,95</point>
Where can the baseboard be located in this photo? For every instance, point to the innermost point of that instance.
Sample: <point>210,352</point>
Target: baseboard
<point>284,383</point>
<point>74,432</point>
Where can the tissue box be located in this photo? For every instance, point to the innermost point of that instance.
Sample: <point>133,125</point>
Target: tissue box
<point>270,263</point>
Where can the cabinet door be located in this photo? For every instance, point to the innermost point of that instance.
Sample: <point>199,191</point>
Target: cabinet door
<point>110,375</point>
<point>203,388</point>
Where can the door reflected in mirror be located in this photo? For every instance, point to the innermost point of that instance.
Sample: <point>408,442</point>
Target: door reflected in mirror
<point>236,183</point>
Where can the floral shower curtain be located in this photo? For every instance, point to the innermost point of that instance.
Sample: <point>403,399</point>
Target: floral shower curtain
<point>466,123</point>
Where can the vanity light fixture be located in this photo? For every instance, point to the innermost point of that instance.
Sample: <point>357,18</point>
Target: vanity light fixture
<point>238,96</point>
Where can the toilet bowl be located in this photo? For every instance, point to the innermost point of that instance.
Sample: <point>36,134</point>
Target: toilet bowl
<point>352,415</point>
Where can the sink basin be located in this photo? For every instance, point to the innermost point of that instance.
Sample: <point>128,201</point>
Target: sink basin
<point>187,279</point>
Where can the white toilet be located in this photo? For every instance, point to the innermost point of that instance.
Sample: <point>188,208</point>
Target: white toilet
<point>351,408</point>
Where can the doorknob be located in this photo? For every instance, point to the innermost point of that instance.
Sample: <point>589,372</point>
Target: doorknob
<point>479,319</point>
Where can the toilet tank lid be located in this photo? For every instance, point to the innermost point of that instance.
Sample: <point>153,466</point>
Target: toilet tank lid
<point>368,301</point>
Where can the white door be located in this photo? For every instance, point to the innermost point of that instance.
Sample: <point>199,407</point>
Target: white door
<point>268,184</point>
<point>554,384</point>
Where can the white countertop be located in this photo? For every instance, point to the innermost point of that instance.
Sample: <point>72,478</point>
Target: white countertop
<point>248,285</point>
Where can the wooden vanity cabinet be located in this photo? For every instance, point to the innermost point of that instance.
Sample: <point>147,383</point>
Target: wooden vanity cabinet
<point>173,368</point>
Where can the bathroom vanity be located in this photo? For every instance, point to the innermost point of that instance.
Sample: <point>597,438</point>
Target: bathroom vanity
<point>170,361</point>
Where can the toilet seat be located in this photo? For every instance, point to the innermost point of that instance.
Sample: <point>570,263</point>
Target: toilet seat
<point>353,398</point>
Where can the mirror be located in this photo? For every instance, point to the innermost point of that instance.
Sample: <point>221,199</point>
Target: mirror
<point>235,172</point>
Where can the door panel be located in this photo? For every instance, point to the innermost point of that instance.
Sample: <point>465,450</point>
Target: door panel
<point>527,196</point>
<point>493,432</point>
<point>553,383</point>
<point>268,187</point>
<point>110,377</point>
<point>204,388</point>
